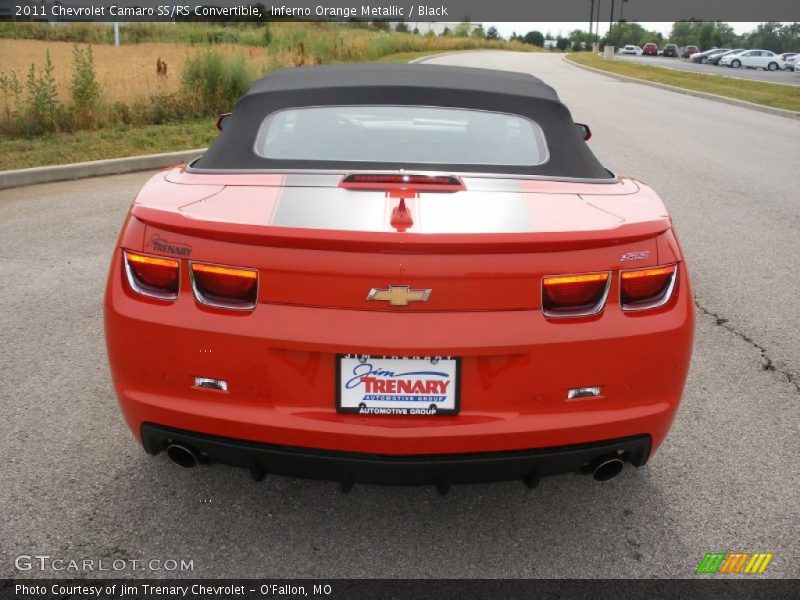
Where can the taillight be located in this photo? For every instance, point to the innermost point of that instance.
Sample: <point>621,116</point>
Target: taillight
<point>574,295</point>
<point>153,276</point>
<point>225,287</point>
<point>647,288</point>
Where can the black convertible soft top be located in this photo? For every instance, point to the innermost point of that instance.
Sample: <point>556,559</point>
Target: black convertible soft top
<point>414,85</point>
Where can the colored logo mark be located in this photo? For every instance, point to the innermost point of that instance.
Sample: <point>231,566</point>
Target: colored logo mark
<point>735,562</point>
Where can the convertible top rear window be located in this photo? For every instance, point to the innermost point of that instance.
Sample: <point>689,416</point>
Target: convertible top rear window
<point>401,134</point>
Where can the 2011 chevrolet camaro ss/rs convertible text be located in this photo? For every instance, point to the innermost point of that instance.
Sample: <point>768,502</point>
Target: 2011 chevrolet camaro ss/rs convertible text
<point>399,274</point>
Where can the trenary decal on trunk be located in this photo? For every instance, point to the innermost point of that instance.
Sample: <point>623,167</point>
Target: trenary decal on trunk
<point>160,244</point>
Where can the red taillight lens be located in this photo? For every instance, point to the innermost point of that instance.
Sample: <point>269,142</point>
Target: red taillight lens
<point>646,288</point>
<point>574,295</point>
<point>154,276</point>
<point>226,287</point>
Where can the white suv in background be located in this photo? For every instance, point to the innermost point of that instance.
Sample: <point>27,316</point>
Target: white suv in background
<point>753,59</point>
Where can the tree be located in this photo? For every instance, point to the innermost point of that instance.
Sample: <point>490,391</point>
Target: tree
<point>705,39</point>
<point>686,32</point>
<point>581,39</point>
<point>463,29</point>
<point>723,36</point>
<point>416,31</point>
<point>445,32</point>
<point>624,33</point>
<point>401,27</point>
<point>491,33</point>
<point>478,32</point>
<point>776,37</point>
<point>562,43</point>
<point>534,38</point>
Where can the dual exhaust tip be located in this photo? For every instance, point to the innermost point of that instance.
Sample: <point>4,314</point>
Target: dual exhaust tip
<point>603,468</point>
<point>182,456</point>
<point>606,467</point>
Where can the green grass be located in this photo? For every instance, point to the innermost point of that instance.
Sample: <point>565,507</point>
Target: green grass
<point>62,148</point>
<point>769,94</point>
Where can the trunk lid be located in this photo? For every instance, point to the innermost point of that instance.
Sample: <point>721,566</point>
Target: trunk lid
<point>484,248</point>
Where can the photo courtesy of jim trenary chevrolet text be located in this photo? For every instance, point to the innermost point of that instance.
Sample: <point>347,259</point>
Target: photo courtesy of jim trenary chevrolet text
<point>334,299</point>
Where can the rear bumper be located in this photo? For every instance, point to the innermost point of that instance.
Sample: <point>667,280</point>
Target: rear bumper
<point>351,467</point>
<point>516,371</point>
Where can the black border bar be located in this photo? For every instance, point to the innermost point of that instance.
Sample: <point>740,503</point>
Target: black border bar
<point>576,11</point>
<point>716,588</point>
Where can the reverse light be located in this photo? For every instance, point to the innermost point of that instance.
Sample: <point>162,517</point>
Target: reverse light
<point>224,287</point>
<point>574,295</point>
<point>209,383</point>
<point>643,289</point>
<point>153,276</point>
<point>584,392</point>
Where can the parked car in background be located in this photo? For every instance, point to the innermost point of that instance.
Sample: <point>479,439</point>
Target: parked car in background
<point>752,59</point>
<point>650,49</point>
<point>702,57</point>
<point>788,60</point>
<point>670,50</point>
<point>715,58</point>
<point>631,49</point>
<point>689,50</point>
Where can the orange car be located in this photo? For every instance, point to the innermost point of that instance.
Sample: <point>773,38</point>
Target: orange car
<point>399,274</point>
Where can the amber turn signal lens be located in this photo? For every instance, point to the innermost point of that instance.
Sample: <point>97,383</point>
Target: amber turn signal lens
<point>226,287</point>
<point>570,291</point>
<point>646,288</point>
<point>154,276</point>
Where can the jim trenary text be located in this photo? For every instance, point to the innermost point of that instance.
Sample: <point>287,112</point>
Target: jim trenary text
<point>144,590</point>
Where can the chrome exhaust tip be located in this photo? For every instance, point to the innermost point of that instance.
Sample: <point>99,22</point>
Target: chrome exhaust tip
<point>606,468</point>
<point>182,456</point>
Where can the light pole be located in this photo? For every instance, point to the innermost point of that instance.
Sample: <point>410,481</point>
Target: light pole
<point>597,21</point>
<point>611,17</point>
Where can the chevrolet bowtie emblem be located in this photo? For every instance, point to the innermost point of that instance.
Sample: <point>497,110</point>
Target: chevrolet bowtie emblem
<point>399,295</point>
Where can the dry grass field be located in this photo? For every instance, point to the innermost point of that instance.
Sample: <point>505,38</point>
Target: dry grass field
<point>133,109</point>
<point>127,73</point>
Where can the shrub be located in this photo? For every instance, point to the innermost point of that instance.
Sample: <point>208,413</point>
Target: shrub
<point>213,82</point>
<point>41,113</point>
<point>85,89</point>
<point>12,92</point>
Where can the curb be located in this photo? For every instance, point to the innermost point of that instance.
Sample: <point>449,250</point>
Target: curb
<point>95,168</point>
<point>781,112</point>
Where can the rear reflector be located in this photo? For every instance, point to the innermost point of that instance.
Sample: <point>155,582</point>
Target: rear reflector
<point>647,288</point>
<point>225,287</point>
<point>390,181</point>
<point>574,295</point>
<point>153,276</point>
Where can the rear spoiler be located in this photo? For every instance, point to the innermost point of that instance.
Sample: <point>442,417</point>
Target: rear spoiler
<point>396,242</point>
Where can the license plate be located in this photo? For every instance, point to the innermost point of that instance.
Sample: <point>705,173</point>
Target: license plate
<point>390,385</point>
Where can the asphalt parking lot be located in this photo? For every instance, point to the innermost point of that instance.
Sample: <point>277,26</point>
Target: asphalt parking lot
<point>684,64</point>
<point>76,485</point>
